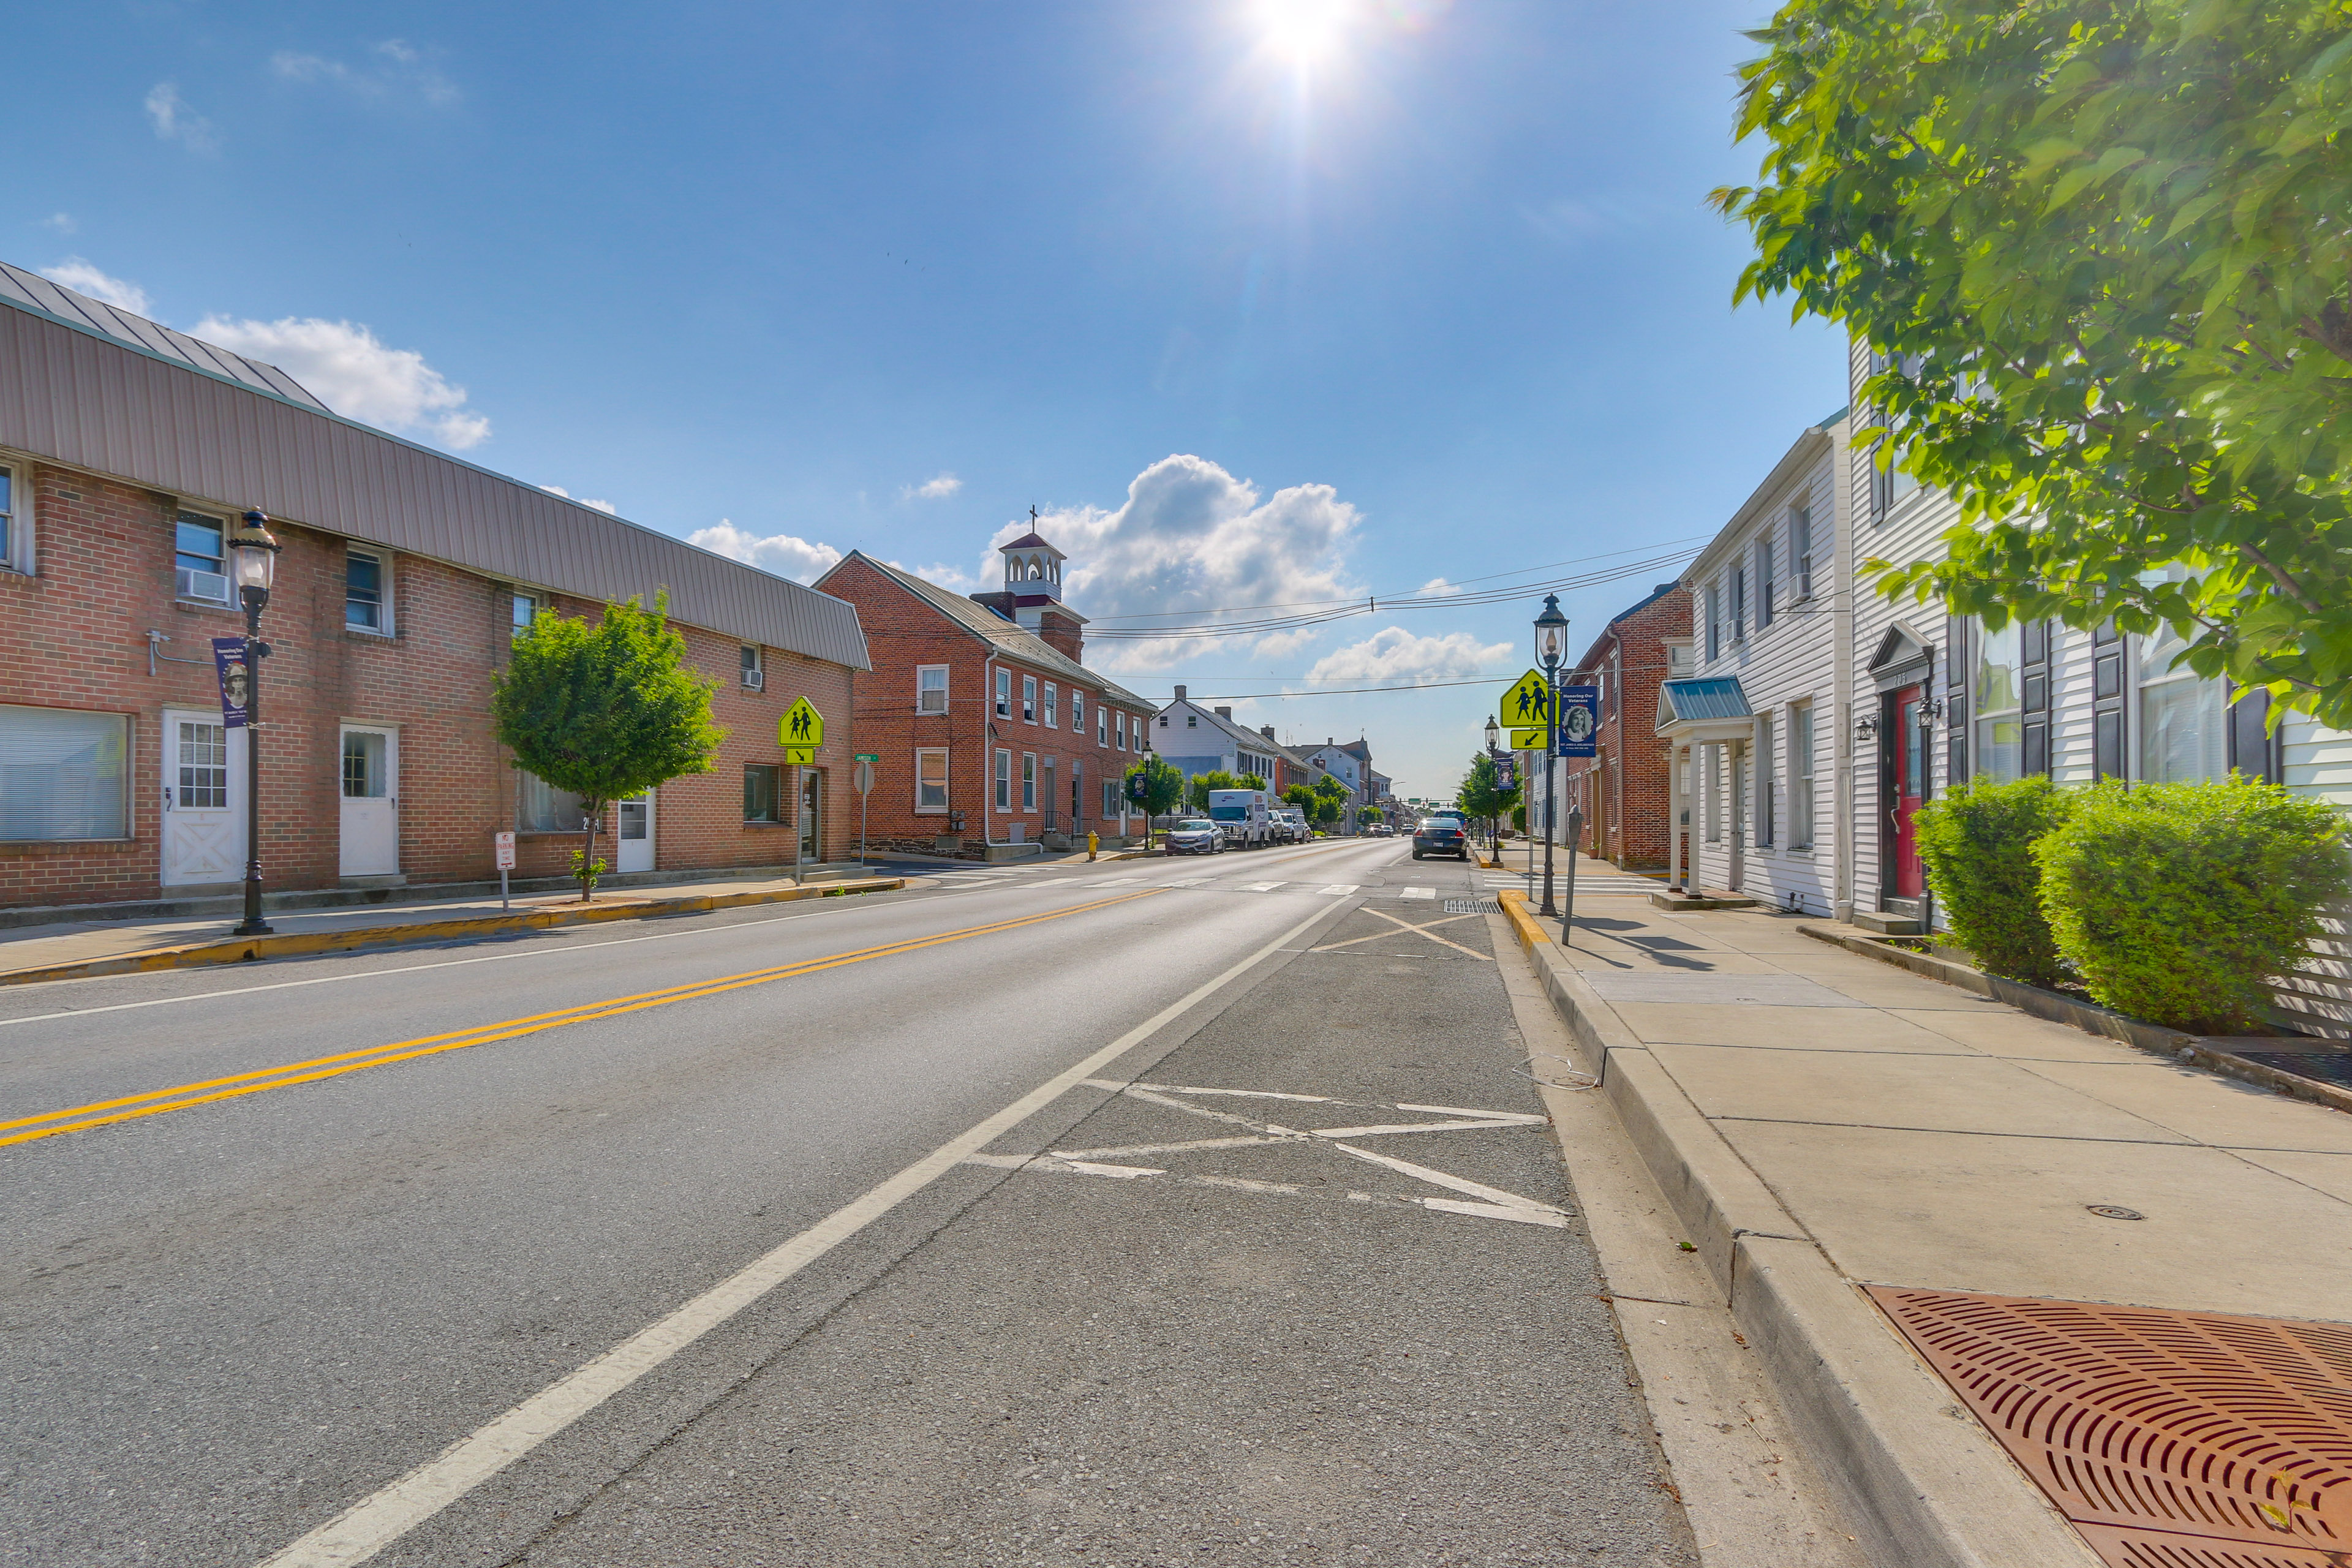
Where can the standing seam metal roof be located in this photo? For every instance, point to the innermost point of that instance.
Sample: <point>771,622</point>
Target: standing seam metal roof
<point>96,388</point>
<point>1014,641</point>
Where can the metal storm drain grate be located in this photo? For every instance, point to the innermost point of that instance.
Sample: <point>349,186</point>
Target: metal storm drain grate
<point>1474,906</point>
<point>2326,1067</point>
<point>2170,1440</point>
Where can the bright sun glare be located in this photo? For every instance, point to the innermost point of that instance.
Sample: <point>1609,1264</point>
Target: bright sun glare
<point>1301,31</point>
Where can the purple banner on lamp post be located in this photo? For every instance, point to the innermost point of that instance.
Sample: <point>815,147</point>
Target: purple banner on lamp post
<point>236,680</point>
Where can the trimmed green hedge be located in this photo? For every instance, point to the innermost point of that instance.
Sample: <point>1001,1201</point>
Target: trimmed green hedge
<point>2176,902</point>
<point>1976,842</point>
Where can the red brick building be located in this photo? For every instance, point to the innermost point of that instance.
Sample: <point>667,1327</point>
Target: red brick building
<point>127,452</point>
<point>990,729</point>
<point>1623,788</point>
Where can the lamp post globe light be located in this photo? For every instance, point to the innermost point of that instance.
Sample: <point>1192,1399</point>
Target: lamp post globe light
<point>1552,647</point>
<point>253,567</point>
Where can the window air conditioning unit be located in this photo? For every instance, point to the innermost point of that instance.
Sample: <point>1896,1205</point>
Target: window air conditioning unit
<point>211,586</point>
<point>755,681</point>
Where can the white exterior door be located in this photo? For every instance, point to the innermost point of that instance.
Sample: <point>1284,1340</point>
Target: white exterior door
<point>636,850</point>
<point>371,789</point>
<point>204,798</point>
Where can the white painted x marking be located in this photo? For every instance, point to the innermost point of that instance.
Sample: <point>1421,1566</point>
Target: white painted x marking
<point>1408,925</point>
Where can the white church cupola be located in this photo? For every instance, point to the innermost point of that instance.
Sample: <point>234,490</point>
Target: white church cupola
<point>1031,596</point>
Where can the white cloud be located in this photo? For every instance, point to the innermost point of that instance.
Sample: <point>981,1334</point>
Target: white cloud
<point>932,488</point>
<point>1394,655</point>
<point>84,279</point>
<point>785,554</point>
<point>604,506</point>
<point>357,376</point>
<point>402,72</point>
<point>1192,537</point>
<point>1437,588</point>
<point>175,122</point>
<point>64,223</point>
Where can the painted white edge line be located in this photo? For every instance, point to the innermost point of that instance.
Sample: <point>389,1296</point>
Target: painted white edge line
<point>375,1523</point>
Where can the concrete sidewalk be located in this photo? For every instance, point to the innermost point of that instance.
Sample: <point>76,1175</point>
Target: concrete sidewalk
<point>72,949</point>
<point>1821,1121</point>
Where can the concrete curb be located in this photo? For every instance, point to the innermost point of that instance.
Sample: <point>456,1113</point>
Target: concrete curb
<point>1923,1480</point>
<point>2091,1018</point>
<point>238,950</point>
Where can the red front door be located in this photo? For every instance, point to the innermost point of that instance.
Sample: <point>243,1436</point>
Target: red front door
<point>1910,790</point>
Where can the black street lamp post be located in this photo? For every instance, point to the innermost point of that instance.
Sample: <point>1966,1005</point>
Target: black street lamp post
<point>1494,824</point>
<point>1551,646</point>
<point>253,565</point>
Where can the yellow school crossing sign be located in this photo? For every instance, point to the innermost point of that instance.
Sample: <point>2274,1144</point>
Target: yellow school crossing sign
<point>801,731</point>
<point>1526,711</point>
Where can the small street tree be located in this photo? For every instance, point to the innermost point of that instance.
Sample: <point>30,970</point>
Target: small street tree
<point>604,711</point>
<point>1196,793</point>
<point>2098,249</point>
<point>1331,798</point>
<point>1482,793</point>
<point>1156,784</point>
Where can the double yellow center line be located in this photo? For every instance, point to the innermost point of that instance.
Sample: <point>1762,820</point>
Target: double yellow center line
<point>102,1113</point>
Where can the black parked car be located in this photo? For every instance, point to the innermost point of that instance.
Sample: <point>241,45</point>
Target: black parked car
<point>1441,836</point>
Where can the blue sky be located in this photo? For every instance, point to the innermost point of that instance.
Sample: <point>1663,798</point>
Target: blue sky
<point>1419,289</point>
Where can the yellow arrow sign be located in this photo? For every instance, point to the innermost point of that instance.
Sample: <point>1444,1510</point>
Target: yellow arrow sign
<point>1526,740</point>
<point>1528,704</point>
<point>802,728</point>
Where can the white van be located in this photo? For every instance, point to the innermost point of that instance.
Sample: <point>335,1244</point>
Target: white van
<point>1245,815</point>
<point>1290,825</point>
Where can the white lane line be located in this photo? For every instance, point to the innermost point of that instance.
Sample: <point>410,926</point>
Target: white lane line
<point>1093,1169</point>
<point>375,1523</point>
<point>1418,894</point>
<point>1340,890</point>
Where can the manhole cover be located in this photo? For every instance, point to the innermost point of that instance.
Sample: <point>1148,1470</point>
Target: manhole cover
<point>1474,906</point>
<point>2170,1440</point>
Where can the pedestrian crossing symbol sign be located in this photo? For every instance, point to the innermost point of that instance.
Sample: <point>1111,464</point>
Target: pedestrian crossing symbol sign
<point>1527,710</point>
<point>801,731</point>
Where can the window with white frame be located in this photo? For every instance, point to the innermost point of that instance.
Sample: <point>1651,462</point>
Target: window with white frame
<point>2000,702</point>
<point>1122,731</point>
<point>1764,583</point>
<point>1801,775</point>
<point>1102,725</point>
<point>1004,694</point>
<point>15,554</point>
<point>2183,717</point>
<point>1028,781</point>
<point>524,608</point>
<point>753,667</point>
<point>1004,780</point>
<point>1077,711</point>
<point>931,778</point>
<point>1768,783</point>
<point>200,559</point>
<point>1714,621</point>
<point>930,689</point>
<point>1052,707</point>
<point>540,807</point>
<point>65,774</point>
<point>1800,550</point>
<point>1029,700</point>
<point>367,591</point>
<point>1739,602</point>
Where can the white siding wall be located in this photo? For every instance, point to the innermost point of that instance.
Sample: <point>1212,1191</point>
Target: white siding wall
<point>1791,661</point>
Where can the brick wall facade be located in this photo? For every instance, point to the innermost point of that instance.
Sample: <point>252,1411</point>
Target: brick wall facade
<point>74,635</point>
<point>903,633</point>
<point>1624,789</point>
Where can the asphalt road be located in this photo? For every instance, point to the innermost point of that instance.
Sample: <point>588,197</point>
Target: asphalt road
<point>877,1200</point>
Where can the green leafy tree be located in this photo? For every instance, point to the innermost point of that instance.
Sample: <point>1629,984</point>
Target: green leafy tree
<point>2099,249</point>
<point>1196,793</point>
<point>1299,795</point>
<point>1248,780</point>
<point>1156,784</point>
<point>1482,793</point>
<point>604,712</point>
<point>1330,797</point>
<point>1370,813</point>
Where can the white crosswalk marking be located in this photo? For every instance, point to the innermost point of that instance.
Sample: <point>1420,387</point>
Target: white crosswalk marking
<point>1188,881</point>
<point>1418,894</point>
<point>1262,886</point>
<point>1117,882</point>
<point>1340,890</point>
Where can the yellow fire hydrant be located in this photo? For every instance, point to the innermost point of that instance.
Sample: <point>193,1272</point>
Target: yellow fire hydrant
<point>1094,843</point>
